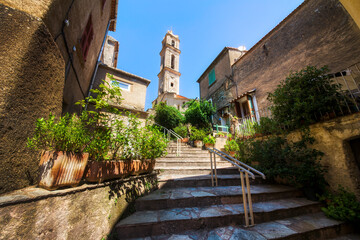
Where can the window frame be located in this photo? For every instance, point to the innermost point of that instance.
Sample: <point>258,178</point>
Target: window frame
<point>112,83</point>
<point>210,76</point>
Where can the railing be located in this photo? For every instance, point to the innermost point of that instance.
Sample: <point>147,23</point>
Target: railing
<point>168,133</point>
<point>220,128</point>
<point>244,169</point>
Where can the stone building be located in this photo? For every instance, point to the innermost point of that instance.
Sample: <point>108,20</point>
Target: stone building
<point>49,50</point>
<point>133,87</point>
<point>169,76</point>
<point>318,33</point>
<point>217,79</point>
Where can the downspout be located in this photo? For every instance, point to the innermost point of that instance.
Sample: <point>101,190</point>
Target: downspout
<point>98,62</point>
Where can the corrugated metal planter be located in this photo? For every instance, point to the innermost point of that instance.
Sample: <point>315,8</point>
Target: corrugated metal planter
<point>58,169</point>
<point>102,171</point>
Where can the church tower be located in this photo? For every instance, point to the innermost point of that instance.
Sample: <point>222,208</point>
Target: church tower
<point>169,76</point>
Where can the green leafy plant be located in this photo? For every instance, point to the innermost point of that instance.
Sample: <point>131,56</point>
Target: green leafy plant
<point>220,134</point>
<point>199,113</point>
<point>67,133</point>
<point>168,116</point>
<point>231,146</point>
<point>302,96</point>
<point>182,131</point>
<point>267,126</point>
<point>209,140</point>
<point>152,144</point>
<point>198,134</point>
<point>294,162</point>
<point>342,206</point>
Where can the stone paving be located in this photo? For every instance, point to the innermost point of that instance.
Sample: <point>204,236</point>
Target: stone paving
<point>269,230</point>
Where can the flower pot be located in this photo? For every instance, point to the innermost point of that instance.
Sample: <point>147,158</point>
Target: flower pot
<point>209,145</point>
<point>198,143</point>
<point>102,171</point>
<point>58,169</point>
<point>232,153</point>
<point>185,140</point>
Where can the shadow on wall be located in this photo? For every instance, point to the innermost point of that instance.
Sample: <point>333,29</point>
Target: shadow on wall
<point>32,84</point>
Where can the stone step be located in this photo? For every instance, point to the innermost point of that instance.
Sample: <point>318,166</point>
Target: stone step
<point>192,170</point>
<point>193,158</point>
<point>204,196</point>
<point>187,180</point>
<point>169,221</point>
<point>306,226</point>
<point>189,154</point>
<point>198,163</point>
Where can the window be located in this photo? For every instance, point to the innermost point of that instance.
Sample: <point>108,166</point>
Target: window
<point>212,77</point>
<point>172,61</point>
<point>86,38</point>
<point>171,84</point>
<point>173,43</point>
<point>121,85</point>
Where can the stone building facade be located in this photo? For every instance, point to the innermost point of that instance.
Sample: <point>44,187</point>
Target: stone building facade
<point>169,76</point>
<point>49,50</point>
<point>318,33</point>
<point>133,87</point>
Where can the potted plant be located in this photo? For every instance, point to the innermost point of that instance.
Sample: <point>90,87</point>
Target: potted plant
<point>197,135</point>
<point>62,142</point>
<point>231,147</point>
<point>125,149</point>
<point>209,141</point>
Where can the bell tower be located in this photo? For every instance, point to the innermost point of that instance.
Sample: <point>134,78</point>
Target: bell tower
<point>169,76</point>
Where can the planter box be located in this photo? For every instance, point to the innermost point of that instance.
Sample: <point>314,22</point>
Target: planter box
<point>58,169</point>
<point>209,145</point>
<point>185,140</point>
<point>106,170</point>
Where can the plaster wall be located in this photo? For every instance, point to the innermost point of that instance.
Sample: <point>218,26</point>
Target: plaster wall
<point>32,79</point>
<point>332,138</point>
<point>132,99</point>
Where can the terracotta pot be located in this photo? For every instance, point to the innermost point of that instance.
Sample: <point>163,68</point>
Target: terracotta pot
<point>232,153</point>
<point>198,143</point>
<point>101,171</point>
<point>139,167</point>
<point>209,145</point>
<point>185,140</point>
<point>58,169</point>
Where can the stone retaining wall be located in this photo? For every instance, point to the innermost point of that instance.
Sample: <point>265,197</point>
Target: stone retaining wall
<point>84,212</point>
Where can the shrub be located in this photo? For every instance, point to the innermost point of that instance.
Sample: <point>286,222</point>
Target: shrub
<point>231,146</point>
<point>152,142</point>
<point>209,140</point>
<point>199,113</point>
<point>198,134</point>
<point>292,161</point>
<point>342,206</point>
<point>182,131</point>
<point>167,116</point>
<point>302,96</point>
<point>267,126</point>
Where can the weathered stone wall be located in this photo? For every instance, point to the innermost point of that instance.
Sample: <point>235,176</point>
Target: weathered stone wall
<point>332,138</point>
<point>85,212</point>
<point>32,79</point>
<point>321,32</point>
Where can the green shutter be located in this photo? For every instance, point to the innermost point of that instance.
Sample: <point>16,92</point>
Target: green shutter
<point>212,77</point>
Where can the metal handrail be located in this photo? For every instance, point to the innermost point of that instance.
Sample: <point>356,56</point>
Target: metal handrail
<point>170,132</point>
<point>243,169</point>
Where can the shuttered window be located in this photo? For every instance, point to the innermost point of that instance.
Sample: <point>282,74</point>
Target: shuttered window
<point>212,77</point>
<point>86,38</point>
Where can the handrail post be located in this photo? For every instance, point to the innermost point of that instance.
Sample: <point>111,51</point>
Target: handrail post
<point>244,199</point>
<point>212,173</point>
<point>249,199</point>
<point>216,180</point>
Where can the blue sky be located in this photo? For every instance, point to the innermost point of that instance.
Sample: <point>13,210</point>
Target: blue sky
<point>204,27</point>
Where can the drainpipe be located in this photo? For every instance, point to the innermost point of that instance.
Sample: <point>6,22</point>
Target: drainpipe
<point>98,62</point>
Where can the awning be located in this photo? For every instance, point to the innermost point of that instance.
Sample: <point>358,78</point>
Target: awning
<point>243,95</point>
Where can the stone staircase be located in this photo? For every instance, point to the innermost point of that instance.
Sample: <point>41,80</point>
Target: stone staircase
<point>187,207</point>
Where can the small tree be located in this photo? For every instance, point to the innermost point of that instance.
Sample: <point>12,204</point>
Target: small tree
<point>167,116</point>
<point>303,95</point>
<point>199,113</point>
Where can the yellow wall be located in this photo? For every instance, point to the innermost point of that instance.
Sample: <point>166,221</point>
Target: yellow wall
<point>353,8</point>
